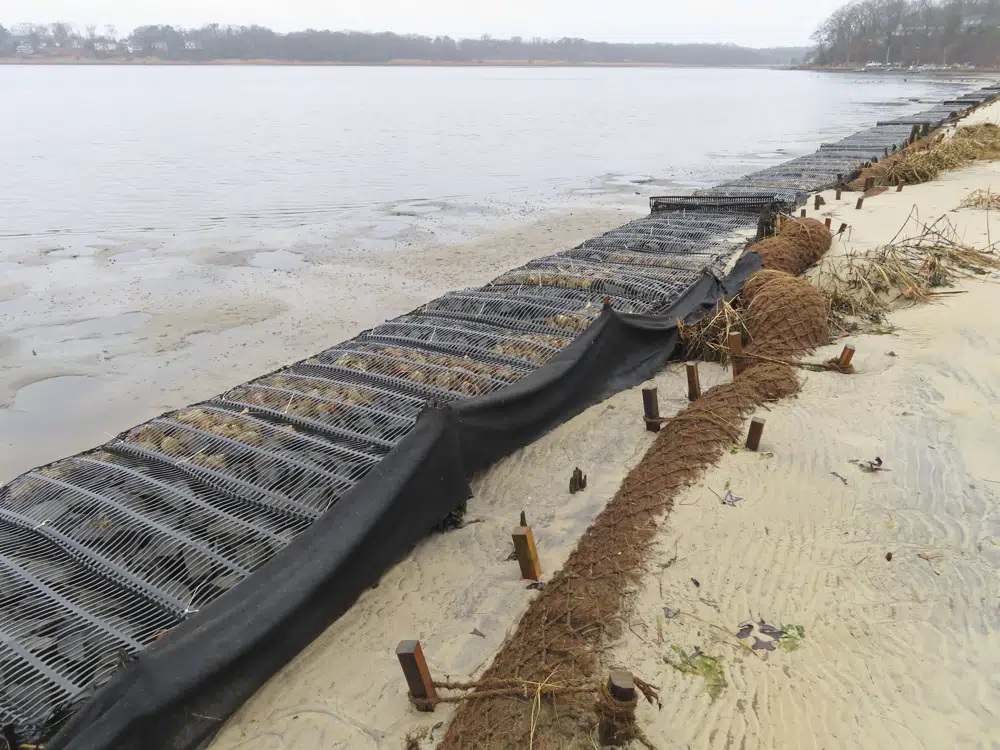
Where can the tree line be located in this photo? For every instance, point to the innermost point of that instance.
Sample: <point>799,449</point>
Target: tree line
<point>910,32</point>
<point>218,42</point>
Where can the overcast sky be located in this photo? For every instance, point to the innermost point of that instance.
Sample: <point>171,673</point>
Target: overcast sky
<point>760,23</point>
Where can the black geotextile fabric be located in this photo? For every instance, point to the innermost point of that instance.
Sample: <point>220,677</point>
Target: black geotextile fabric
<point>176,694</point>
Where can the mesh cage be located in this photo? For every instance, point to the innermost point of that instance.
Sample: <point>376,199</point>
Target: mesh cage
<point>102,552</point>
<point>489,342</point>
<point>64,630</point>
<point>629,281</point>
<point>352,410</point>
<point>287,470</point>
<point>433,374</point>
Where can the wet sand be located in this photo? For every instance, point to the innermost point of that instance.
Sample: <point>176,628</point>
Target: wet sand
<point>895,654</point>
<point>97,338</point>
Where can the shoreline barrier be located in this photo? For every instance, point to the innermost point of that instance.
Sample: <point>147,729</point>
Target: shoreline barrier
<point>150,586</point>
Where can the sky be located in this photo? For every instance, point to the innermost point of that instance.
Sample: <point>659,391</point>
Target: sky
<point>752,23</point>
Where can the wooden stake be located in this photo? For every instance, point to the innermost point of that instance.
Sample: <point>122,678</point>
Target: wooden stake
<point>621,686</point>
<point>524,519</point>
<point>860,203</point>
<point>817,203</point>
<point>828,222</point>
<point>651,408</point>
<point>846,356</point>
<point>527,554</point>
<point>756,431</point>
<point>736,350</point>
<point>840,192</point>
<point>843,228</point>
<point>418,676</point>
<point>802,213</point>
<point>694,381</point>
<point>869,183</point>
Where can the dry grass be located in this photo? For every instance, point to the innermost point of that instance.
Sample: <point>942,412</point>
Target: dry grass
<point>986,199</point>
<point>707,340</point>
<point>926,160</point>
<point>862,287</point>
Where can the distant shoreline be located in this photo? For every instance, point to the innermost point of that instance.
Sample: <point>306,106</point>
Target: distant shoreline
<point>43,61</point>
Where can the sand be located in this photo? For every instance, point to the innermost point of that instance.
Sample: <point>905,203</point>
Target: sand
<point>901,653</point>
<point>895,654</point>
<point>456,592</point>
<point>95,338</point>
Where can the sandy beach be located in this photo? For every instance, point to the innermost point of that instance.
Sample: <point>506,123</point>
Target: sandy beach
<point>892,574</point>
<point>898,652</point>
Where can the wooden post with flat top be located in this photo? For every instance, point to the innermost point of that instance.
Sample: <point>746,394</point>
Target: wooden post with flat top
<point>817,203</point>
<point>527,554</point>
<point>846,356</point>
<point>423,695</point>
<point>694,381</point>
<point>840,192</point>
<point>828,222</point>
<point>615,728</point>
<point>651,409</point>
<point>860,203</point>
<point>756,431</point>
<point>802,213</point>
<point>736,352</point>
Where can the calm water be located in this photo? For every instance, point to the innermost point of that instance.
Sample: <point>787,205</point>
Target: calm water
<point>115,152</point>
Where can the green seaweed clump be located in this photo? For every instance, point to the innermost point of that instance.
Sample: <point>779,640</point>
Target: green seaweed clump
<point>792,638</point>
<point>700,664</point>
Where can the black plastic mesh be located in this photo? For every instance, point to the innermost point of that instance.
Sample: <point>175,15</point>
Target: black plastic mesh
<point>102,552</point>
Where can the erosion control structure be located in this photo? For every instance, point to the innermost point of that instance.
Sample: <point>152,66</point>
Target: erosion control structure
<point>150,586</point>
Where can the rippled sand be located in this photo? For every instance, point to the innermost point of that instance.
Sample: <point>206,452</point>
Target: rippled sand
<point>902,653</point>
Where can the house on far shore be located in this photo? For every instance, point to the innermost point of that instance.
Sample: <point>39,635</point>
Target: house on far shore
<point>979,23</point>
<point>24,49</point>
<point>133,49</point>
<point>192,46</point>
<point>105,47</point>
<point>160,48</point>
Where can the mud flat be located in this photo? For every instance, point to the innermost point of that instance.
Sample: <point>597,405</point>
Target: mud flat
<point>151,328</point>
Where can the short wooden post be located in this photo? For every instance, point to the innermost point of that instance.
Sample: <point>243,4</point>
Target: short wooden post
<point>756,431</point>
<point>860,203</point>
<point>527,554</point>
<point>840,192</point>
<point>736,351</point>
<point>651,408</point>
<point>899,187</point>
<point>694,381</point>
<point>828,222</point>
<point>418,677</point>
<point>869,183</point>
<point>616,725</point>
<point>846,356</point>
<point>524,519</point>
<point>816,203</point>
<point>885,154</point>
<point>802,213</point>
